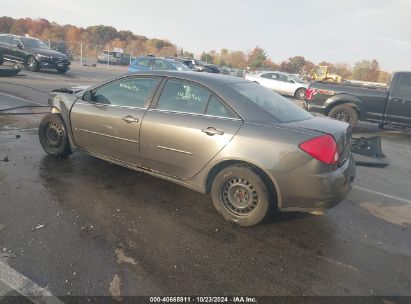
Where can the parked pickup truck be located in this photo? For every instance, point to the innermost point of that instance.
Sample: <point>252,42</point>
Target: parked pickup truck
<point>350,103</point>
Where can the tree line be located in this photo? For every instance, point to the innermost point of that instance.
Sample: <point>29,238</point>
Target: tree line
<point>257,59</point>
<point>97,38</point>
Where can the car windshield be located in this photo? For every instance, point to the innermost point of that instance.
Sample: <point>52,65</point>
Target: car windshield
<point>296,78</point>
<point>34,43</point>
<point>281,108</point>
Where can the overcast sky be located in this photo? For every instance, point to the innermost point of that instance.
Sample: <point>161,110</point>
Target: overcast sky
<point>334,31</point>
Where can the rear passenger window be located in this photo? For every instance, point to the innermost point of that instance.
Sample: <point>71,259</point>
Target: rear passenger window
<point>217,108</point>
<point>130,92</point>
<point>183,97</point>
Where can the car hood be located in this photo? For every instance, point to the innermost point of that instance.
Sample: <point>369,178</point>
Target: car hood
<point>50,53</point>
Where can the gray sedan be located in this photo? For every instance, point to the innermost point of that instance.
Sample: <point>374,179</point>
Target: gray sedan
<point>254,151</point>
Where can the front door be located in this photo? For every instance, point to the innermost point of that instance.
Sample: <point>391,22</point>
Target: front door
<point>108,122</point>
<point>17,52</point>
<point>399,102</point>
<point>189,126</point>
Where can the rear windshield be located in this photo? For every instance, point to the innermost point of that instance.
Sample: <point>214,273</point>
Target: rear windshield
<point>280,107</point>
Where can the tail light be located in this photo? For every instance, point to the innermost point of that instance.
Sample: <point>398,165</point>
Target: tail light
<point>323,148</point>
<point>309,93</point>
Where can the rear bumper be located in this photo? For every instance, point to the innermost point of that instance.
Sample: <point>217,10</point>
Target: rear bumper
<point>314,108</point>
<point>315,192</point>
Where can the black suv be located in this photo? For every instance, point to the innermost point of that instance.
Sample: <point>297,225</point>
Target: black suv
<point>31,52</point>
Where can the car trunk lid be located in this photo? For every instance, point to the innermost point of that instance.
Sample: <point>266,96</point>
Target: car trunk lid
<point>341,132</point>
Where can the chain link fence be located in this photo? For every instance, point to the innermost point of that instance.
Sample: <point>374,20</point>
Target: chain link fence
<point>93,54</point>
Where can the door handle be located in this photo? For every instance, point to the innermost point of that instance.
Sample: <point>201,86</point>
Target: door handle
<point>211,131</point>
<point>129,119</point>
<point>398,100</point>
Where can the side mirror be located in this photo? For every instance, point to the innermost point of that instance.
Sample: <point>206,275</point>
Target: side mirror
<point>19,45</point>
<point>88,96</point>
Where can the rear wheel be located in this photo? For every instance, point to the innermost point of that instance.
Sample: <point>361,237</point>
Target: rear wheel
<point>32,64</point>
<point>300,93</point>
<point>241,195</point>
<point>53,136</point>
<point>345,113</point>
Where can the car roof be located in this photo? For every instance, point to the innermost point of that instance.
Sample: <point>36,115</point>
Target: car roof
<point>202,78</point>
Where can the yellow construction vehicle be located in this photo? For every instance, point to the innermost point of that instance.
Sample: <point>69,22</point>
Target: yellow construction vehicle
<point>321,74</point>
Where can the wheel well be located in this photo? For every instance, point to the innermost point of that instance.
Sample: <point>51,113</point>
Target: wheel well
<point>217,168</point>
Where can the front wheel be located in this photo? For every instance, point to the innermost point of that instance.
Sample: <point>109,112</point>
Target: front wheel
<point>241,195</point>
<point>32,64</point>
<point>345,113</point>
<point>300,93</point>
<point>53,136</point>
<point>62,70</point>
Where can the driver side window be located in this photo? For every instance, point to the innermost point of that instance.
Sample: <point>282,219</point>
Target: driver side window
<point>129,92</point>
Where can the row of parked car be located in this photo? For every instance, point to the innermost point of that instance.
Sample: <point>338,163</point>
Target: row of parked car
<point>283,83</point>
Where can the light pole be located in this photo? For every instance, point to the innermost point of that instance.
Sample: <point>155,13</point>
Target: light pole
<point>108,55</point>
<point>81,53</point>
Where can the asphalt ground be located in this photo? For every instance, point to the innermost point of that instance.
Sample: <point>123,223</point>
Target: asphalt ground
<point>82,226</point>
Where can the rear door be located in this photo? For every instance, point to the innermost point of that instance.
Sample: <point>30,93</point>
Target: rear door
<point>399,100</point>
<point>108,122</point>
<point>186,129</point>
<point>6,47</point>
<point>269,80</point>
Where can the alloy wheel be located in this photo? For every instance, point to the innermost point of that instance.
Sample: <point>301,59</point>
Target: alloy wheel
<point>343,116</point>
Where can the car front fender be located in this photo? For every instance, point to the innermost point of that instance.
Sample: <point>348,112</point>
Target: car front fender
<point>62,103</point>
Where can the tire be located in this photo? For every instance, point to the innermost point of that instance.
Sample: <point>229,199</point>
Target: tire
<point>345,113</point>
<point>62,70</point>
<point>32,64</point>
<point>241,195</point>
<point>53,136</point>
<point>300,94</point>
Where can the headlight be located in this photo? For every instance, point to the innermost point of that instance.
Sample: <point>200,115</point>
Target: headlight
<point>43,56</point>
